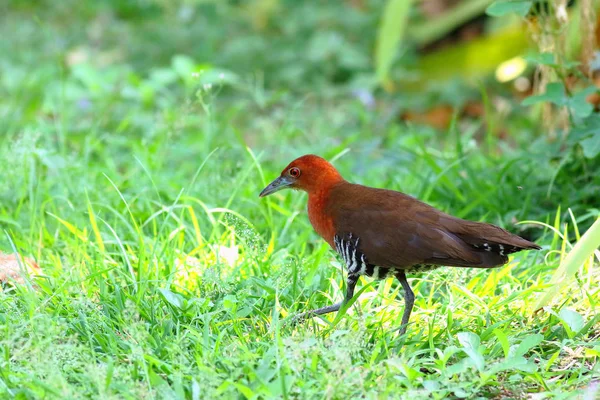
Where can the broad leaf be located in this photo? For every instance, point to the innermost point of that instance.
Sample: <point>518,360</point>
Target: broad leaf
<point>583,249</point>
<point>391,29</point>
<point>502,8</point>
<point>579,105</point>
<point>542,59</point>
<point>591,146</point>
<point>528,343</point>
<point>173,299</point>
<point>573,319</point>
<point>555,93</point>
<point>470,343</point>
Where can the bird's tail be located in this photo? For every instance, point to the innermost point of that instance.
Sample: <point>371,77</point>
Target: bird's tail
<point>494,244</point>
<point>487,245</point>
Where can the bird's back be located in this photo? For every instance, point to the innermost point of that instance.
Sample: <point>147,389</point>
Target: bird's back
<point>397,231</point>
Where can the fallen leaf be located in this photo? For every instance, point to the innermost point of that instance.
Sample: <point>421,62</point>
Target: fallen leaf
<point>438,117</point>
<point>10,268</point>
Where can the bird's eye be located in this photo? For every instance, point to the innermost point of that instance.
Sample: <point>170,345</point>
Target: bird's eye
<point>294,172</point>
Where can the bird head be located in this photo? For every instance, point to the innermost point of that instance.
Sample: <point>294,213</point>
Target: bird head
<point>309,173</point>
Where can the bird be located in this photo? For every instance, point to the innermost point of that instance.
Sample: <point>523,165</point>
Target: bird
<point>382,233</point>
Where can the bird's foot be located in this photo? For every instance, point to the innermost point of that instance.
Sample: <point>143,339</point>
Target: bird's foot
<point>319,311</point>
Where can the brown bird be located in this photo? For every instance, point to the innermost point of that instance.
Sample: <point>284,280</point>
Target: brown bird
<point>381,233</point>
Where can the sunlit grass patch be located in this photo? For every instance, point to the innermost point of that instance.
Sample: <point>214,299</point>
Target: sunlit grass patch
<point>185,291</point>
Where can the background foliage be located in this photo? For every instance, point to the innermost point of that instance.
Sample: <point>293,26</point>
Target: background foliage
<point>136,136</point>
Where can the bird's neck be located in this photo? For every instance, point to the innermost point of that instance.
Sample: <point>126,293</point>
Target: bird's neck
<point>317,213</point>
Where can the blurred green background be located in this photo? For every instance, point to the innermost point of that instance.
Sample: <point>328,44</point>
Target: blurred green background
<point>291,77</point>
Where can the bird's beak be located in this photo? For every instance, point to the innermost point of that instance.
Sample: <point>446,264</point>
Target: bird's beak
<point>280,183</point>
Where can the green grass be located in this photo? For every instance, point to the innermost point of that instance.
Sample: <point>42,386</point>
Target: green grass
<point>166,276</point>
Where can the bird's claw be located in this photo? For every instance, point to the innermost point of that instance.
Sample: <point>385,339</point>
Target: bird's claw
<point>296,319</point>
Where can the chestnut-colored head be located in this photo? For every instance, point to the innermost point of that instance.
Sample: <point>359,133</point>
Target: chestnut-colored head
<point>309,173</point>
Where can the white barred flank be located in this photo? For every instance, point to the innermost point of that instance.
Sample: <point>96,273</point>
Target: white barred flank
<point>502,249</point>
<point>354,259</point>
<point>357,264</point>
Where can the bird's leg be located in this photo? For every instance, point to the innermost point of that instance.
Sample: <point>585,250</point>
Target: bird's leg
<point>409,300</point>
<point>350,285</point>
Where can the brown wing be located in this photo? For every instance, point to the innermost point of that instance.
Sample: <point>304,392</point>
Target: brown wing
<point>397,230</point>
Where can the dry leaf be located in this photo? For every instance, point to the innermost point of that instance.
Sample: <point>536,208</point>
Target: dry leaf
<point>438,117</point>
<point>10,268</point>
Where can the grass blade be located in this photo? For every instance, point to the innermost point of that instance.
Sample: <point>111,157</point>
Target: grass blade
<point>583,249</point>
<point>391,29</point>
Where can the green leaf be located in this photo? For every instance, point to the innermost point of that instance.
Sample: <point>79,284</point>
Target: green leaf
<point>82,235</point>
<point>502,8</point>
<point>528,343</point>
<point>173,299</point>
<point>503,340</point>
<point>555,93</point>
<point>391,29</point>
<point>579,105</point>
<point>162,77</point>
<point>511,364</point>
<point>216,76</point>
<point>470,343</point>
<point>430,385</point>
<point>245,390</point>
<point>590,127</point>
<point>196,391</point>
<point>230,302</point>
<point>541,59</point>
<point>549,59</point>
<point>183,65</point>
<point>591,145</point>
<point>572,318</point>
<point>526,367</point>
<point>582,250</point>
